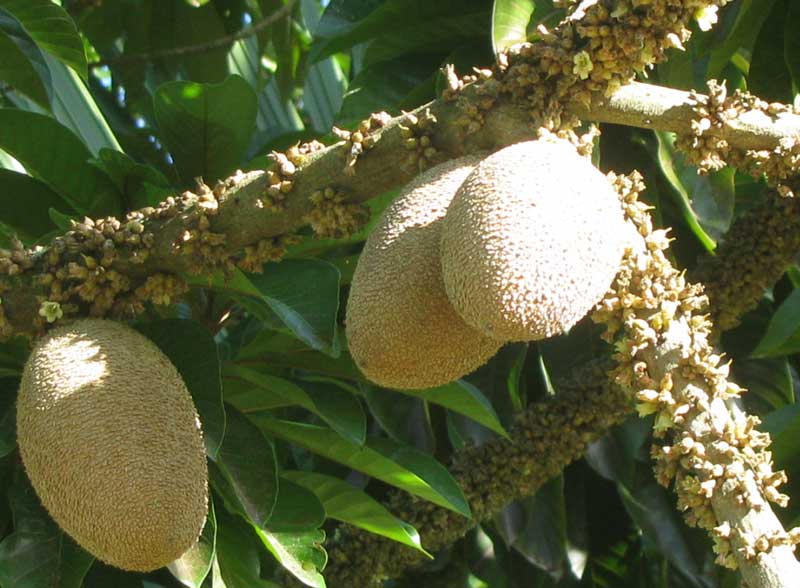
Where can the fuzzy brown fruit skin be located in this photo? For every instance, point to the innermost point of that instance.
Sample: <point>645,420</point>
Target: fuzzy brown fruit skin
<point>531,241</point>
<point>402,331</point>
<point>111,441</point>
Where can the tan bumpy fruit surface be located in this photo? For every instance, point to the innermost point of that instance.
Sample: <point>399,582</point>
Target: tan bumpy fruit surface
<point>531,241</point>
<point>111,441</point>
<point>401,329</point>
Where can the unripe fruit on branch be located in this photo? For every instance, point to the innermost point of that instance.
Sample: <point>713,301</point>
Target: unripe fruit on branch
<point>402,331</point>
<point>531,241</point>
<point>111,441</point>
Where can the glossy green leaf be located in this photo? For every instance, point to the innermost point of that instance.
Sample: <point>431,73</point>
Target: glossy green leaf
<point>323,92</point>
<point>139,185</point>
<point>340,409</point>
<point>348,504</point>
<point>766,379</point>
<point>769,76</point>
<point>400,466</point>
<point>249,465</point>
<point>32,221</point>
<point>206,127</point>
<point>300,553</point>
<point>74,107</point>
<point>238,549</point>
<point>297,509</point>
<point>741,35</point>
<point>464,398</point>
<point>510,19</point>
<point>193,566</point>
<point>399,27</point>
<point>53,154</point>
<point>8,414</point>
<point>672,168</point>
<point>52,29</point>
<point>302,293</point>
<point>192,350</point>
<point>22,64</point>
<point>38,554</point>
<point>405,418</point>
<point>783,333</point>
<point>281,350</point>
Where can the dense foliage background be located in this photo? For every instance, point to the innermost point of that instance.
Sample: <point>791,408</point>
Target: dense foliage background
<point>111,105</point>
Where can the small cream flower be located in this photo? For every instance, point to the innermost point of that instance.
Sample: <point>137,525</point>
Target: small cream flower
<point>583,65</point>
<point>51,311</point>
<point>706,17</point>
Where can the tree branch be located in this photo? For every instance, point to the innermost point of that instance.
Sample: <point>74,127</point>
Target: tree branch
<point>244,220</point>
<point>198,48</point>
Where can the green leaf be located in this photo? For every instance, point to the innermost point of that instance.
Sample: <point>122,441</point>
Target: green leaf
<point>323,91</point>
<point>139,185</point>
<point>400,466</point>
<point>193,566</point>
<point>38,554</point>
<point>249,465</point>
<point>206,127</point>
<point>340,409</point>
<point>8,415</point>
<point>75,108</point>
<point>769,76</point>
<point>783,333</point>
<point>350,505</point>
<point>399,27</point>
<point>32,220</point>
<point>52,29</point>
<point>192,350</point>
<point>303,293</point>
<point>300,553</point>
<point>510,20</point>
<point>766,379</point>
<point>281,350</point>
<point>238,549</point>
<point>741,35</point>
<point>22,65</point>
<point>464,398</point>
<point>53,154</point>
<point>297,509</point>
<point>673,169</point>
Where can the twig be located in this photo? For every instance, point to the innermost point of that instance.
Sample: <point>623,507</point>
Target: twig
<point>199,47</point>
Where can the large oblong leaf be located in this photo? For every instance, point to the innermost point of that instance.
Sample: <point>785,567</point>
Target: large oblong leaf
<point>249,468</point>
<point>300,553</point>
<point>194,565</point>
<point>395,464</point>
<point>22,64</point>
<point>340,409</point>
<point>192,350</point>
<point>206,127</point>
<point>783,333</point>
<point>52,29</point>
<point>52,153</point>
<point>348,504</point>
<point>510,20</point>
<point>302,293</point>
<point>32,221</point>
<point>38,554</point>
<point>464,398</point>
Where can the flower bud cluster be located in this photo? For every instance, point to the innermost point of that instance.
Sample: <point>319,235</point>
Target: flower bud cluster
<point>656,320</point>
<point>362,139</point>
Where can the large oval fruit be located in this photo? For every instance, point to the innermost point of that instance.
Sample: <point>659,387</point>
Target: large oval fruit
<point>111,441</point>
<point>402,331</point>
<point>531,241</point>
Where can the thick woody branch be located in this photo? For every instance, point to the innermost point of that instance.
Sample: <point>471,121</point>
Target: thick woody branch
<point>243,219</point>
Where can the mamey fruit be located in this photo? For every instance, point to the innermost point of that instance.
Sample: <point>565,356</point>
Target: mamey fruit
<point>402,331</point>
<point>111,441</point>
<point>531,241</point>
